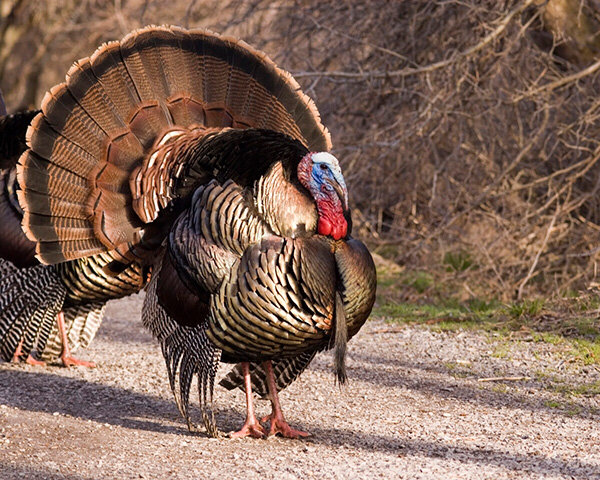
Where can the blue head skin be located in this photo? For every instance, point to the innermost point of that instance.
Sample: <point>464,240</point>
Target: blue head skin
<point>320,173</point>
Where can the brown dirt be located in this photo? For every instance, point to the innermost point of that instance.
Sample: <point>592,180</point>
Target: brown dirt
<point>414,409</point>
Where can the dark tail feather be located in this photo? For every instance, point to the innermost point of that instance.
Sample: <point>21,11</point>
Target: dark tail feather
<point>30,299</point>
<point>187,352</point>
<point>206,387</point>
<point>6,268</point>
<point>340,340</point>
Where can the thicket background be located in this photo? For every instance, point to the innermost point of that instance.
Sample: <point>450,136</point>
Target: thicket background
<point>468,131</point>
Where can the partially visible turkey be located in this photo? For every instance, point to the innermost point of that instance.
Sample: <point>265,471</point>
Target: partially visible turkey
<point>193,154</point>
<point>45,307</point>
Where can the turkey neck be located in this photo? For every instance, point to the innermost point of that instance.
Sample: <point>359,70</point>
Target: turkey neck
<point>288,210</point>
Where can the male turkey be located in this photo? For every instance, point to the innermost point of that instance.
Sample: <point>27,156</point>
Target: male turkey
<point>44,306</point>
<point>195,154</point>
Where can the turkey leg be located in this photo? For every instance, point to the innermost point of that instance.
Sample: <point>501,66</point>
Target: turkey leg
<point>251,427</point>
<point>30,360</point>
<point>65,356</point>
<point>278,423</point>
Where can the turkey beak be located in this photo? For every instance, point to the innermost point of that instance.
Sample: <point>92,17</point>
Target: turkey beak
<point>340,189</point>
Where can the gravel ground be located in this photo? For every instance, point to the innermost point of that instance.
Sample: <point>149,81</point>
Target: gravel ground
<point>415,408</point>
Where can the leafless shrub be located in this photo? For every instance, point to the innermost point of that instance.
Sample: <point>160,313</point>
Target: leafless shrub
<point>469,131</point>
<point>469,143</point>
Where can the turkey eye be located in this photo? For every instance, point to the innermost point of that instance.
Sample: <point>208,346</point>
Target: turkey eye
<point>323,166</point>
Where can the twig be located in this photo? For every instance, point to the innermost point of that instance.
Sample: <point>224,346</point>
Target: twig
<point>503,379</point>
<point>354,39</point>
<point>188,12</point>
<point>485,194</point>
<point>407,72</point>
<point>120,17</point>
<point>386,330</point>
<point>560,82</point>
<point>539,253</point>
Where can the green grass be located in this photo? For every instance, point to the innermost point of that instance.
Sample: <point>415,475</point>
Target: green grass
<point>588,351</point>
<point>553,404</point>
<point>420,281</point>
<point>571,322</point>
<point>449,315</point>
<point>501,350</point>
<point>583,389</point>
<point>581,337</point>
<point>525,308</point>
<point>569,408</point>
<point>458,261</point>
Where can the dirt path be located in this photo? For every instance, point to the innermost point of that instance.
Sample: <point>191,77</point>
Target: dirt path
<point>414,409</point>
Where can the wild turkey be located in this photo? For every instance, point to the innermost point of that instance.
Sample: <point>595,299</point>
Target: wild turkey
<point>41,306</point>
<point>195,154</point>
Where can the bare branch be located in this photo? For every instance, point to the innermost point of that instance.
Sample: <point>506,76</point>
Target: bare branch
<point>406,72</point>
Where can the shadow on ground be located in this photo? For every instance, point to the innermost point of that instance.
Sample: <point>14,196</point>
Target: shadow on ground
<point>37,392</point>
<point>44,392</point>
<point>373,370</point>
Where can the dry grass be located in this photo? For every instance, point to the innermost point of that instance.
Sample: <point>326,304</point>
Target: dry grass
<point>470,144</point>
<point>469,131</point>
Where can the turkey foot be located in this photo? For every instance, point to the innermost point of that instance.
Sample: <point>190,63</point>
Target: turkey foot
<point>65,356</point>
<point>278,423</point>
<point>251,427</point>
<point>29,360</point>
<point>35,362</point>
<point>69,361</point>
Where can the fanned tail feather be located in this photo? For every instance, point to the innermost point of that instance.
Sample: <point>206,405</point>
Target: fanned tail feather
<point>30,300</point>
<point>187,352</point>
<point>99,128</point>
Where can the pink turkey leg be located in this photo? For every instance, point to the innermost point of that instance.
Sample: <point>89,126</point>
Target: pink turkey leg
<point>278,423</point>
<point>251,427</point>
<point>30,360</point>
<point>65,356</point>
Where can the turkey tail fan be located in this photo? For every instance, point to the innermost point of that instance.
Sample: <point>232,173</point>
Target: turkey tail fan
<point>12,136</point>
<point>81,322</point>
<point>187,352</point>
<point>286,370</point>
<point>115,109</point>
<point>30,299</point>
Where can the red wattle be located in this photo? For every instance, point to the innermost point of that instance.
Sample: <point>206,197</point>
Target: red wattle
<point>324,227</point>
<point>331,220</point>
<point>339,230</point>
